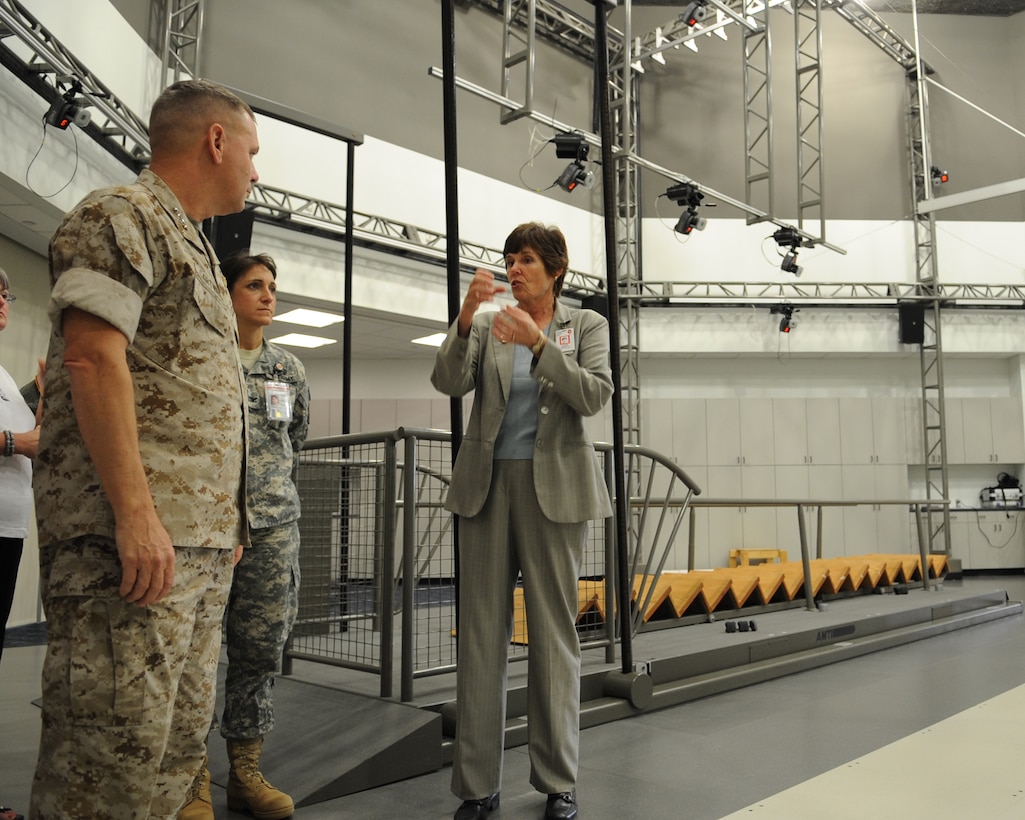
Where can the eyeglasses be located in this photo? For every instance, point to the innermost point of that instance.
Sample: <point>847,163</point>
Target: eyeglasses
<point>8,297</point>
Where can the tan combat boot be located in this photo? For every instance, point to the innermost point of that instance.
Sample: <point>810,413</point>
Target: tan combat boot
<point>247,789</point>
<point>199,805</point>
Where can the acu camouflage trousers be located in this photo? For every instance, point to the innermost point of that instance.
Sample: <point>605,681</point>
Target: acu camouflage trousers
<point>261,612</point>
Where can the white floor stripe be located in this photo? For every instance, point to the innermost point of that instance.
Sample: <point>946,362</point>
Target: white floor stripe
<point>967,767</point>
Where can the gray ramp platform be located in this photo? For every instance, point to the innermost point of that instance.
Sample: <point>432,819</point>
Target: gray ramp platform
<point>328,743</point>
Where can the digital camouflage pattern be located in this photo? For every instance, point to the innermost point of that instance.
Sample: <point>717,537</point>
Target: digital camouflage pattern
<point>104,746</point>
<point>265,590</point>
<point>129,256</point>
<point>261,611</point>
<point>274,446</point>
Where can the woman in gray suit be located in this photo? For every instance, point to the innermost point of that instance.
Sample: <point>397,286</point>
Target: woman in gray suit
<point>525,483</point>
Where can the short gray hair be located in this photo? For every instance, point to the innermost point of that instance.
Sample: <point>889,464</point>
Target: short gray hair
<point>4,281</point>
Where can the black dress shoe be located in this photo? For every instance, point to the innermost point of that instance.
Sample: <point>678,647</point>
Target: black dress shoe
<point>478,809</point>
<point>561,806</point>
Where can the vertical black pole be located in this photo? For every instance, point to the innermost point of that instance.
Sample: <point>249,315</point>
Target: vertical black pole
<point>345,484</point>
<point>350,172</point>
<point>624,585</point>
<point>448,61</point>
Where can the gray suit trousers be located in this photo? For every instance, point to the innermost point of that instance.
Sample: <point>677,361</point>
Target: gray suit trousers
<point>511,535</point>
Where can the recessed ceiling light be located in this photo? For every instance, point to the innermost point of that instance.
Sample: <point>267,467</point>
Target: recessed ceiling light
<point>310,318</point>
<point>434,340</point>
<point>302,340</point>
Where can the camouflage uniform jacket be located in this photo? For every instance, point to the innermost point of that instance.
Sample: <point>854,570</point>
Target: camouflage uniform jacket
<point>274,445</point>
<point>131,257</point>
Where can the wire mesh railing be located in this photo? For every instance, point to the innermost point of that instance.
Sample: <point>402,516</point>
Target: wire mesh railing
<point>378,543</point>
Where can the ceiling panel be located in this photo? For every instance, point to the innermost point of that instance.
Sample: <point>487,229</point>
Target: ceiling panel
<point>989,8</point>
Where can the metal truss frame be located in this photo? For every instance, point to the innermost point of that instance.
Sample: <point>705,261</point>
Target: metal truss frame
<point>886,294</point>
<point>624,110</point>
<point>934,412</point>
<point>44,64</point>
<point>287,209</point>
<point>758,134</point>
<point>183,35</point>
<point>808,88</point>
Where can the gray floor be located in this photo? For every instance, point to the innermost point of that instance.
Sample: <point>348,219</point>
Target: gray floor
<point>755,751</point>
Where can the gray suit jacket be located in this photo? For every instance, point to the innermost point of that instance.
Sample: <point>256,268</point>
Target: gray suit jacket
<point>575,381</point>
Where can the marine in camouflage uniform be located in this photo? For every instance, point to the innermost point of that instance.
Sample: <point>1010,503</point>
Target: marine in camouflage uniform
<point>265,592</point>
<point>130,672</point>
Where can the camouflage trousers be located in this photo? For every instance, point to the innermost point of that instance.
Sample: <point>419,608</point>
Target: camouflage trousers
<point>262,608</point>
<point>127,690</point>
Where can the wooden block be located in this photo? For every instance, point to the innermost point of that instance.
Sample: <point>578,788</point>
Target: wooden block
<point>793,579</point>
<point>641,586</point>
<point>743,557</point>
<point>836,573</point>
<point>856,572</point>
<point>684,591</point>
<point>876,571</point>
<point>714,588</point>
<point>519,636</point>
<point>593,592</point>
<point>741,584</point>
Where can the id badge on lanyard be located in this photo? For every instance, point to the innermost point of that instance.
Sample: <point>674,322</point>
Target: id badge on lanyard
<point>279,401</point>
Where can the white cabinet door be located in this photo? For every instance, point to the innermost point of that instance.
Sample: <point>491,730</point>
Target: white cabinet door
<point>725,524</point>
<point>722,417</point>
<point>741,526</point>
<point>977,424</point>
<point>816,483</point>
<point>759,482</point>
<point>657,425</point>
<point>790,432</point>
<point>888,441</point>
<point>756,438</point>
<point>959,541</point>
<point>823,431</point>
<point>891,482</point>
<point>690,433</point>
<point>1008,433</point>
<point>993,431</point>
<point>995,539</point>
<point>856,445</point>
<point>859,523</point>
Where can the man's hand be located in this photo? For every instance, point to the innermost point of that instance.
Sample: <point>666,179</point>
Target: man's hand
<point>147,559</point>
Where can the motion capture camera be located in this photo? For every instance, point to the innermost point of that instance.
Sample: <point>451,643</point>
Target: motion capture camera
<point>70,108</point>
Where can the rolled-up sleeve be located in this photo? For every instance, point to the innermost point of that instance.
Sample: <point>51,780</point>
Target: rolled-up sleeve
<point>102,265</point>
<point>98,294</point>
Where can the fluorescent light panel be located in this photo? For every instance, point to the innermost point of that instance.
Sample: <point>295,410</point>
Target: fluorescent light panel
<point>309,318</point>
<point>434,340</point>
<point>302,340</point>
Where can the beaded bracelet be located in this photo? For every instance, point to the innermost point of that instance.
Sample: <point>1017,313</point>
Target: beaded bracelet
<point>8,443</point>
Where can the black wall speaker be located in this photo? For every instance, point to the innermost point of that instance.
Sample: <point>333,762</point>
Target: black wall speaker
<point>599,303</point>
<point>230,234</point>
<point>912,323</point>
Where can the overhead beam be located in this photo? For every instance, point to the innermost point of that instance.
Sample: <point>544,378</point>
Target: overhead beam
<point>941,203</point>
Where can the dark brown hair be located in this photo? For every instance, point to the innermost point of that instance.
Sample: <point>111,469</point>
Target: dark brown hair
<point>239,263</point>
<point>546,241</point>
